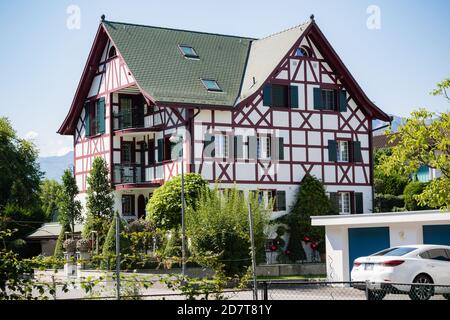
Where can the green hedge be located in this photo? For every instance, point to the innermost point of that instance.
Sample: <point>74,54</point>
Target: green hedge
<point>388,202</point>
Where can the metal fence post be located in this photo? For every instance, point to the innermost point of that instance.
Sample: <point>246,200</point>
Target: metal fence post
<point>367,290</point>
<point>54,287</point>
<point>265,291</point>
<point>118,254</point>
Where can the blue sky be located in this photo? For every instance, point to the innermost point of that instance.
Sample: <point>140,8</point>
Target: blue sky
<point>41,59</point>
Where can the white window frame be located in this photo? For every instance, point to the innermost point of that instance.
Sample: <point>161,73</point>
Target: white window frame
<point>264,148</point>
<point>344,208</point>
<point>343,154</point>
<point>221,145</point>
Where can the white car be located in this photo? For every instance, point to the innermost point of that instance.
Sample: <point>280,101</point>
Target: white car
<point>389,270</point>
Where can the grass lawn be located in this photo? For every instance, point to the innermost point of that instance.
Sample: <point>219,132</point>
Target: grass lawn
<point>303,277</point>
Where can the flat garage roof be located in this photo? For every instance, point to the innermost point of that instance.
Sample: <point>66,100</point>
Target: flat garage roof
<point>382,218</point>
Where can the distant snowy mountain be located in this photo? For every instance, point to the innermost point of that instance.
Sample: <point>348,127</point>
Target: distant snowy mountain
<point>53,167</point>
<point>396,122</point>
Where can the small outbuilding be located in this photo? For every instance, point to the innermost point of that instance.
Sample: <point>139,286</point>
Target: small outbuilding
<point>351,236</point>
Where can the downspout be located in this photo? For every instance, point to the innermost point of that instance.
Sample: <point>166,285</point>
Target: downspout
<point>372,166</point>
<point>192,146</point>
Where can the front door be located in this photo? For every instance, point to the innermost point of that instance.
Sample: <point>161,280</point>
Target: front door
<point>141,207</point>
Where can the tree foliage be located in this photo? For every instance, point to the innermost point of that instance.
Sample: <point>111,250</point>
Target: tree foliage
<point>424,140</point>
<point>99,201</point>
<point>412,190</point>
<point>109,247</point>
<point>50,195</point>
<point>164,207</point>
<point>70,208</point>
<point>100,198</point>
<point>219,225</point>
<point>20,177</point>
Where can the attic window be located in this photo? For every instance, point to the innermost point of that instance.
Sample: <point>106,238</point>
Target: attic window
<point>211,85</point>
<point>112,52</point>
<point>188,52</point>
<point>302,52</point>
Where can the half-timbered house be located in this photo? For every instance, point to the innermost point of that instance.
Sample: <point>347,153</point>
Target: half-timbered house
<point>260,113</point>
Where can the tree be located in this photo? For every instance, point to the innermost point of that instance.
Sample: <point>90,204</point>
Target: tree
<point>311,200</point>
<point>59,249</point>
<point>219,227</point>
<point>164,207</point>
<point>100,199</point>
<point>70,207</point>
<point>424,140</point>
<point>20,176</point>
<point>109,247</point>
<point>412,190</point>
<point>50,195</point>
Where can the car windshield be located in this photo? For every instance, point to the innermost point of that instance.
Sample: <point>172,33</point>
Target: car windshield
<point>395,252</point>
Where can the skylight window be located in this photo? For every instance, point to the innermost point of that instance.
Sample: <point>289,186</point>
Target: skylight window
<point>188,52</point>
<point>211,85</point>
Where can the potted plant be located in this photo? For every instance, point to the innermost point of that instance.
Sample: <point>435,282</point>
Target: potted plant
<point>83,245</point>
<point>70,245</point>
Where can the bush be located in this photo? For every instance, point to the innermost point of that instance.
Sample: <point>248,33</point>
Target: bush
<point>173,244</point>
<point>164,207</point>
<point>387,202</point>
<point>413,189</point>
<point>99,224</point>
<point>219,227</point>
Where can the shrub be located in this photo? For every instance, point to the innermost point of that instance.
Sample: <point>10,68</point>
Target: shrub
<point>164,207</point>
<point>219,227</point>
<point>412,190</point>
<point>59,249</point>
<point>387,202</point>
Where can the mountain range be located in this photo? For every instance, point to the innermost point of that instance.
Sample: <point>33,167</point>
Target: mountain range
<point>53,167</point>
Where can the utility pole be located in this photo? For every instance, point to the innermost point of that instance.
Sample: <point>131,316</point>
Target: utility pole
<point>252,242</point>
<point>118,255</point>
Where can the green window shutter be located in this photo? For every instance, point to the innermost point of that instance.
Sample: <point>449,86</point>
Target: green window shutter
<point>160,150</point>
<point>252,147</point>
<point>281,200</point>
<point>87,116</point>
<point>342,101</point>
<point>334,201</point>
<point>294,96</point>
<point>359,207</point>
<point>101,115</point>
<point>238,147</point>
<point>357,155</point>
<point>267,95</point>
<point>317,99</point>
<point>280,143</point>
<point>209,139</point>
<point>332,150</point>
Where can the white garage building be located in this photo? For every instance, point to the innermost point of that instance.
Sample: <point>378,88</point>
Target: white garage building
<point>351,236</point>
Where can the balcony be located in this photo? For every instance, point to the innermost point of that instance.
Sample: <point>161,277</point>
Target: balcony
<point>129,119</point>
<point>128,174</point>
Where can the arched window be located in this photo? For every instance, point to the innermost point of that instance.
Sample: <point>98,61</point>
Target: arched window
<point>112,52</point>
<point>303,51</point>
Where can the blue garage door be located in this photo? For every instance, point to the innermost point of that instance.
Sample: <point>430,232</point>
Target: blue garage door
<point>437,234</point>
<point>365,241</point>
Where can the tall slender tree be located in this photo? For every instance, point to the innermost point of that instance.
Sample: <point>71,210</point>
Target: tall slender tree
<point>70,207</point>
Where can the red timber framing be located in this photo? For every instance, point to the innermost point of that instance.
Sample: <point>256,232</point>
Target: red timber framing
<point>250,114</point>
<point>247,114</point>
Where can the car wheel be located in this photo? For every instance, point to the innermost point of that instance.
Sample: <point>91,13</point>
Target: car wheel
<point>447,296</point>
<point>375,295</point>
<point>421,292</point>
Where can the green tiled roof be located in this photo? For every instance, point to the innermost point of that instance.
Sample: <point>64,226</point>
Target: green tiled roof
<point>153,56</point>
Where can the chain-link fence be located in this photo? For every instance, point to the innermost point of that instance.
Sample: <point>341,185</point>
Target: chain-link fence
<point>322,290</point>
